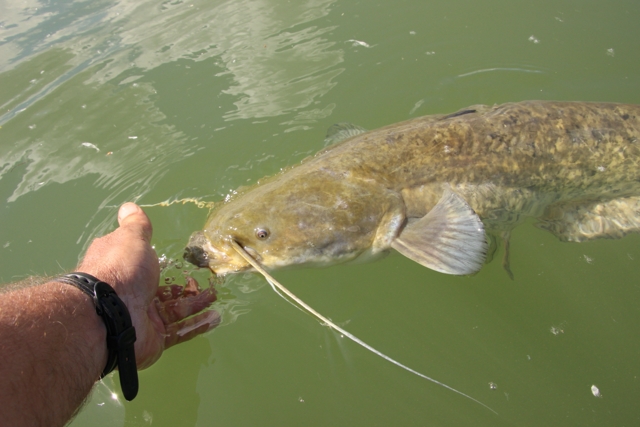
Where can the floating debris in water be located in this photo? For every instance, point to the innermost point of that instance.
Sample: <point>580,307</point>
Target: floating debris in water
<point>90,145</point>
<point>610,52</point>
<point>588,259</point>
<point>534,39</point>
<point>359,43</point>
<point>488,70</point>
<point>416,106</point>
<point>493,385</point>
<point>595,391</point>
<point>556,330</point>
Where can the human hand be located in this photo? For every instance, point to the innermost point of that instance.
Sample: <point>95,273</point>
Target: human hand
<point>125,260</point>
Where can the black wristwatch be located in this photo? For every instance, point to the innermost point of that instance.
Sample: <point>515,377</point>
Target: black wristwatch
<point>121,335</point>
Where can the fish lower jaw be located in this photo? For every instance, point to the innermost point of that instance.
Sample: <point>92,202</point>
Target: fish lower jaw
<point>220,262</point>
<point>224,269</point>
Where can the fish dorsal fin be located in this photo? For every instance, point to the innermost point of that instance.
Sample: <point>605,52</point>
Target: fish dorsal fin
<point>341,131</point>
<point>460,113</point>
<point>449,239</point>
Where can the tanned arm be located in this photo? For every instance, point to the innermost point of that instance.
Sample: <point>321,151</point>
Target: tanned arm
<point>53,348</point>
<point>53,344</point>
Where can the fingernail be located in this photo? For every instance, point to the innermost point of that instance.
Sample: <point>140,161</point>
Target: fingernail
<point>126,210</point>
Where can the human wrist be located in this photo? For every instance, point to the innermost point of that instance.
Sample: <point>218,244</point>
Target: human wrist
<point>91,332</point>
<point>121,334</point>
<point>114,279</point>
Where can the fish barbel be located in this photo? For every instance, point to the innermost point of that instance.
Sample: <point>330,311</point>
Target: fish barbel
<point>433,188</point>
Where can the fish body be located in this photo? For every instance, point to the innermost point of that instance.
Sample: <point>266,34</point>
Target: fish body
<point>434,187</point>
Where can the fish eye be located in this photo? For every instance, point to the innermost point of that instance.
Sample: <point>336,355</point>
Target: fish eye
<point>262,233</point>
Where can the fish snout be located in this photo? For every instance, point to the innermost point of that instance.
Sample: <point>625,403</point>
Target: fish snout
<point>218,257</point>
<point>194,251</point>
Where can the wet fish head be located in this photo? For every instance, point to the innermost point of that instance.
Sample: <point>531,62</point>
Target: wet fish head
<point>313,219</point>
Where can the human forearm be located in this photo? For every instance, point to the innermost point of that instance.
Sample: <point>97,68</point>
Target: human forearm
<point>53,344</point>
<point>53,349</point>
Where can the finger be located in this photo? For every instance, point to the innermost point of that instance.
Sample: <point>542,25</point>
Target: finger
<point>169,292</point>
<point>184,330</point>
<point>132,216</point>
<point>192,287</point>
<point>177,309</point>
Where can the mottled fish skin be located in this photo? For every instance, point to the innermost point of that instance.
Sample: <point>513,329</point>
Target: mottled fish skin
<point>564,163</point>
<point>568,149</point>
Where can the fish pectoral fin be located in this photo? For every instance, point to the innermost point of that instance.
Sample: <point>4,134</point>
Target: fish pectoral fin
<point>449,239</point>
<point>340,132</point>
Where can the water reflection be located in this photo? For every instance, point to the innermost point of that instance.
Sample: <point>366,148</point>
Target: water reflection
<point>278,64</point>
<point>89,88</point>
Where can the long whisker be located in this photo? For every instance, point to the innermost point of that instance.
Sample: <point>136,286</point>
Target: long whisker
<point>278,287</point>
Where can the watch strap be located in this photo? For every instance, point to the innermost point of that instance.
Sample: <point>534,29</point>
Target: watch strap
<point>121,334</point>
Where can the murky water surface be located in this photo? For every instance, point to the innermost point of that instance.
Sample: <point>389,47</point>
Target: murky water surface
<point>104,102</point>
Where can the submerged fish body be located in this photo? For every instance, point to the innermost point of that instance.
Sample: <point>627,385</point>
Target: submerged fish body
<point>432,187</point>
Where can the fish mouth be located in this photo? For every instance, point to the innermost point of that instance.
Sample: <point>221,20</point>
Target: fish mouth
<point>196,256</point>
<point>201,253</point>
<point>194,252</point>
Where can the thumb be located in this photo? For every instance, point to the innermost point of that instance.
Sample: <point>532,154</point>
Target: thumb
<point>133,217</point>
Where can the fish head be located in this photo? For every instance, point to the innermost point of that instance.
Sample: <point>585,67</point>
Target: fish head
<point>299,220</point>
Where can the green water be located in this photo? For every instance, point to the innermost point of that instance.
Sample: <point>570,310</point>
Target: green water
<point>193,99</point>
